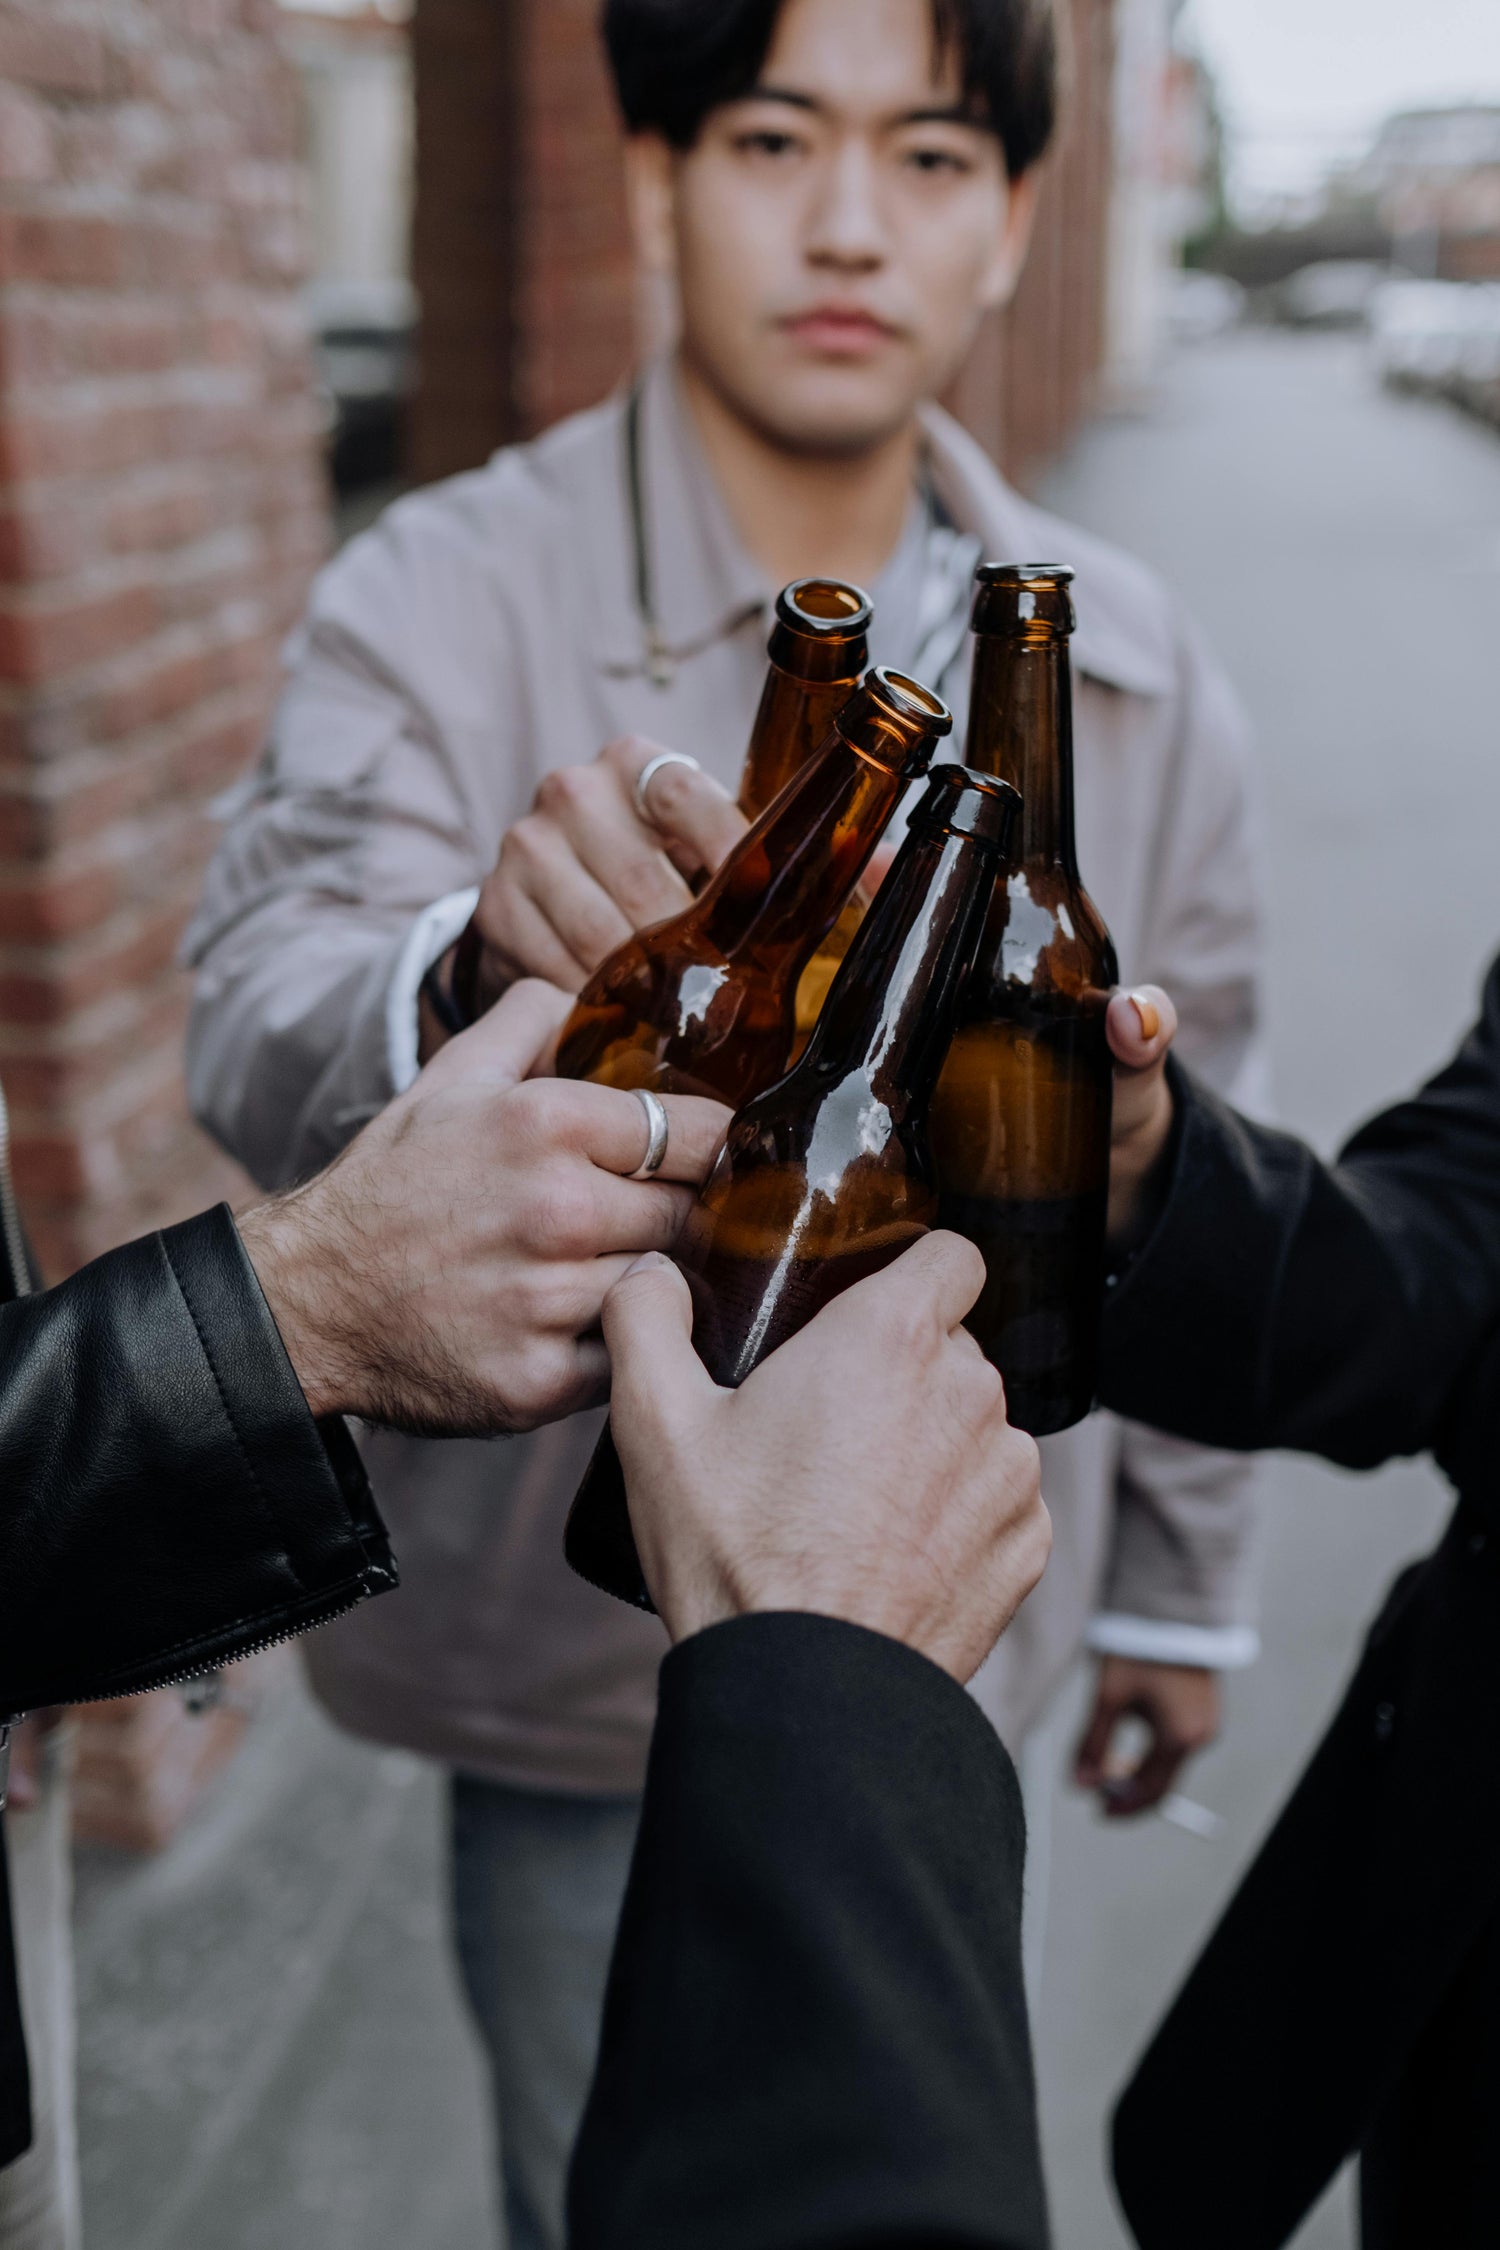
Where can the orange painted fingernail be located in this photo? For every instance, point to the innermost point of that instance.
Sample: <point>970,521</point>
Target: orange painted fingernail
<point>1149,1014</point>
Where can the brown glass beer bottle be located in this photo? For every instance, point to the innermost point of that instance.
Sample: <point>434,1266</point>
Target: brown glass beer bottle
<point>819,648</point>
<point>1020,1124</point>
<point>704,1003</point>
<point>827,1176</point>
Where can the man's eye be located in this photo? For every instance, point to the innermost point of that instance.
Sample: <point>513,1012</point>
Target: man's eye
<point>937,160</point>
<point>766,142</point>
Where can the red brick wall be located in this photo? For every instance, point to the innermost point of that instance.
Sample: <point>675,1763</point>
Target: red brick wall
<point>523,264</point>
<point>161,507</point>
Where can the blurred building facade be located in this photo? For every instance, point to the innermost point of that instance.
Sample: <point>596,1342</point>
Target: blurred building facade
<point>1434,178</point>
<point>173,176</point>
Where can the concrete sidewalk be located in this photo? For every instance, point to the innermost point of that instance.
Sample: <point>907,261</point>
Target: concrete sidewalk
<point>273,2051</point>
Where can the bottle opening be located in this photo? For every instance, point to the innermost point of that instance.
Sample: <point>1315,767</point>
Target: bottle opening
<point>1034,599</point>
<point>960,802</point>
<point>824,605</point>
<point>911,699</point>
<point>1042,576</point>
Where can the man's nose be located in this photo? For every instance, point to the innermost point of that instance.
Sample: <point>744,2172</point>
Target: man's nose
<point>847,225</point>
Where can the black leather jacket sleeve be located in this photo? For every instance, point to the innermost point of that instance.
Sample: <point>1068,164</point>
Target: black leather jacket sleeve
<point>1349,1309</point>
<point>166,1500</point>
<point>815,2033</point>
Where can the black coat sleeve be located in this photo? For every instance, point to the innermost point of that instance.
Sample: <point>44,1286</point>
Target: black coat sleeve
<point>166,1500</point>
<point>1342,1309</point>
<point>815,2032</point>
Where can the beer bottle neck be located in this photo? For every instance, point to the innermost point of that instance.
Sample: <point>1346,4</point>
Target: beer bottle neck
<point>1021,728</point>
<point>890,1012</point>
<point>782,888</point>
<point>795,715</point>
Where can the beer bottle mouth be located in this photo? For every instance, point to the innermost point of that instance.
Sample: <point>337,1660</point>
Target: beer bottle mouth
<point>895,722</point>
<point>1016,596</point>
<point>911,700</point>
<point>959,802</point>
<point>826,607</point>
<point>820,630</point>
<point>1035,575</point>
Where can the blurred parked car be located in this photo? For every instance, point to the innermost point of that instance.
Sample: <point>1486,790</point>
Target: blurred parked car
<point>1331,293</point>
<point>364,337</point>
<point>1201,305</point>
<point>1442,338</point>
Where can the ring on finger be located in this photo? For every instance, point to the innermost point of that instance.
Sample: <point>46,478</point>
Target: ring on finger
<point>644,778</point>
<point>656,1146</point>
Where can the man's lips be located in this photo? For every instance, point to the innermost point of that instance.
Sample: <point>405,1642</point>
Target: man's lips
<point>846,331</point>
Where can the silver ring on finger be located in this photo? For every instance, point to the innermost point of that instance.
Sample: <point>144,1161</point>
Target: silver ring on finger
<point>644,778</point>
<point>656,1147</point>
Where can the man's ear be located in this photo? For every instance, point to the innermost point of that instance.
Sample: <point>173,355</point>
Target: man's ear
<point>1009,259</point>
<point>650,197</point>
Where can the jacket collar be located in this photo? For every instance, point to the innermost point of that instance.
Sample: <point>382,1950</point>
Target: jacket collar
<point>1124,636</point>
<point>706,588</point>
<point>703,585</point>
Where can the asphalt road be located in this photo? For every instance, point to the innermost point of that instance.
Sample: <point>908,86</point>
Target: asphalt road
<point>272,2049</point>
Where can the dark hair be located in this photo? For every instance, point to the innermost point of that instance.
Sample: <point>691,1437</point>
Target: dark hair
<point>675,60</point>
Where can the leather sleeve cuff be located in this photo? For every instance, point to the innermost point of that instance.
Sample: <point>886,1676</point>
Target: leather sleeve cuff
<point>1184,1324</point>
<point>169,1502</point>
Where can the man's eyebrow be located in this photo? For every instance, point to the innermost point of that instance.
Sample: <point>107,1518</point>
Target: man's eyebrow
<point>934,113</point>
<point>944,113</point>
<point>782,94</point>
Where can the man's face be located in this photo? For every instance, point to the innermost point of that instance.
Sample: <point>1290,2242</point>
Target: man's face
<point>838,233</point>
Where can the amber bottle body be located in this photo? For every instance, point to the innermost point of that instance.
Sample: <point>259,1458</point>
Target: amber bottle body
<point>1021,1122</point>
<point>827,1176</point>
<point>705,1003</point>
<point>817,650</point>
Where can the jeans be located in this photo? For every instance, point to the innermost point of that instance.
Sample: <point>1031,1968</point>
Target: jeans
<point>537,1886</point>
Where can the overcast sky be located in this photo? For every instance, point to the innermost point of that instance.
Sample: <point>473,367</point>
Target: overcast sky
<point>1305,82</point>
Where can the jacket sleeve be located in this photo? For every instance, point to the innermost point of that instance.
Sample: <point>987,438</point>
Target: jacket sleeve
<point>1180,1579</point>
<point>1335,1309</point>
<point>166,1500</point>
<point>815,2030</point>
<point>354,824</point>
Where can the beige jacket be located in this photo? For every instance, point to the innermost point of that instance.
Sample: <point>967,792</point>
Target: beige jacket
<point>488,630</point>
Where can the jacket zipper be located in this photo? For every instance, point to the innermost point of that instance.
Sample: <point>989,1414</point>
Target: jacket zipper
<point>10,1215</point>
<point>15,1258</point>
<point>305,1624</point>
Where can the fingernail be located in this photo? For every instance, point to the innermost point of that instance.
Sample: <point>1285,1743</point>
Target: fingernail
<point>1149,1014</point>
<point>644,1263</point>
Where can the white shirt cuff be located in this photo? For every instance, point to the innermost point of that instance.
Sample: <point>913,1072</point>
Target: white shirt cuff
<point>433,931</point>
<point>1160,1640</point>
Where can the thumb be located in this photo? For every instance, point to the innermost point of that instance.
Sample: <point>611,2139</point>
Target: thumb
<point>509,1039</point>
<point>1141,1026</point>
<point>648,1329</point>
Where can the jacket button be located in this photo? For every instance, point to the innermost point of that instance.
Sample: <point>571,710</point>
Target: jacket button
<point>1385,1721</point>
<point>1478,1542</point>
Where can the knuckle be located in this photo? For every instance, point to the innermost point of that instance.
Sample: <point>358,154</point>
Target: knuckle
<point>557,1224</point>
<point>564,789</point>
<point>627,753</point>
<point>522,849</point>
<point>542,1371</point>
<point>1025,1453</point>
<point>539,1118</point>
